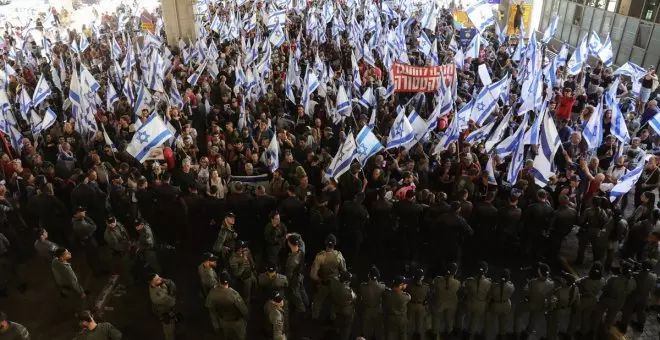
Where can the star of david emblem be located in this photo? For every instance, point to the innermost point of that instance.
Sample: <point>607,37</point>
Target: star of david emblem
<point>362,149</point>
<point>143,137</point>
<point>398,129</point>
<point>481,106</point>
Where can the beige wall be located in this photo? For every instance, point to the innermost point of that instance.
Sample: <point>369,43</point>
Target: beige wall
<point>179,19</point>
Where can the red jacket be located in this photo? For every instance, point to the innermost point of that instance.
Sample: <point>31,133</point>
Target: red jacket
<point>564,107</point>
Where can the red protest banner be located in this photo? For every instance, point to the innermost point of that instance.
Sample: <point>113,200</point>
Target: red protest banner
<point>421,79</point>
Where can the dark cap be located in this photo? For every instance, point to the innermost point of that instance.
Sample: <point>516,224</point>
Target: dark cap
<point>230,214</point>
<point>294,239</point>
<point>224,277</point>
<point>139,221</point>
<point>110,219</point>
<point>345,276</point>
<point>80,208</point>
<point>276,296</point>
<point>209,257</point>
<point>543,268</point>
<point>271,267</point>
<point>59,252</point>
<point>240,244</point>
<point>399,280</point>
<point>331,240</point>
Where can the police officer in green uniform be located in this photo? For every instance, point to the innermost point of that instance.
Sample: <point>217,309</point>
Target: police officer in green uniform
<point>445,300</point>
<point>241,264</point>
<point>227,236</point>
<point>371,302</point>
<point>162,293</point>
<point>67,280</point>
<point>614,296</point>
<point>418,307</point>
<point>83,230</point>
<point>91,330</point>
<point>276,316</point>
<point>637,301</point>
<point>10,330</point>
<point>587,317</point>
<point>120,244</point>
<point>343,304</point>
<point>396,301</point>
<point>271,281</point>
<point>563,304</point>
<point>477,290</point>
<point>146,244</point>
<point>327,264</point>
<point>207,275</point>
<point>275,236</point>
<point>538,292</point>
<point>498,311</point>
<point>228,310</point>
<point>294,266</point>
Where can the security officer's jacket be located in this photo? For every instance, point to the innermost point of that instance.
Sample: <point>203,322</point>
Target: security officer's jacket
<point>45,249</point>
<point>208,278</point>
<point>226,304</point>
<point>83,227</point>
<point>146,238</point>
<point>445,290</point>
<point>327,264</point>
<point>538,293</point>
<point>396,302</point>
<point>163,297</point>
<point>65,277</point>
<point>117,238</point>
<point>275,316</point>
<point>269,284</point>
<point>371,294</point>
<point>226,238</point>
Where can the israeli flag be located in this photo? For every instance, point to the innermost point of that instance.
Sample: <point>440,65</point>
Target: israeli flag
<point>108,141</point>
<point>486,101</point>
<point>508,145</point>
<point>12,54</point>
<point>517,159</point>
<point>273,153</point>
<point>451,135</point>
<point>550,31</point>
<point>481,15</point>
<point>424,43</point>
<point>149,136</point>
<point>594,44</point>
<point>192,80</point>
<point>490,171</point>
<point>111,96</point>
<point>276,17</point>
<point>35,121</point>
<point>481,134</point>
<point>342,160</point>
<point>277,36</point>
<point>175,97</point>
<point>562,56</point>
<point>368,56</point>
<point>618,127</point>
<point>49,119</point>
<point>463,114</point>
<point>343,103</point>
<point>41,92</point>
<point>368,99</point>
<point>453,45</point>
<point>630,69</point>
<point>88,79</point>
<point>519,52</point>
<point>655,123</point>
<point>311,84</point>
<point>16,139</point>
<point>144,100</point>
<point>605,54</point>
<point>593,130</point>
<point>216,24</point>
<point>549,143</point>
<point>420,129</point>
<point>472,50</point>
<point>26,103</point>
<point>401,132</point>
<point>74,47</point>
<point>627,182</point>
<point>367,145</point>
<point>84,44</point>
<point>115,50</point>
<point>127,90</point>
<point>578,58</point>
<point>459,59</point>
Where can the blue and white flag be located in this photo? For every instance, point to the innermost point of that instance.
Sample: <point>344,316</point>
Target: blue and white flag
<point>549,143</point>
<point>593,130</point>
<point>343,107</point>
<point>655,123</point>
<point>88,79</point>
<point>420,129</point>
<point>276,17</point>
<point>35,122</point>
<point>108,141</point>
<point>452,134</point>
<point>486,101</point>
<point>424,43</point>
<point>143,101</point>
<point>459,59</point>
<point>16,139</point>
<point>342,160</point>
<point>481,134</point>
<point>111,96</point>
<point>26,102</point>
<point>508,145</point>
<point>500,33</point>
<point>84,44</point>
<point>562,56</point>
<point>594,44</point>
<point>481,15</point>
<point>606,54</point>
<point>618,127</point>
<point>311,84</point>
<point>627,182</point>
<point>464,113</point>
<point>12,54</point>
<point>533,134</point>
<point>175,97</point>
<point>41,92</point>
<point>367,145</point>
<point>115,50</point>
<point>277,36</point>
<point>473,48</point>
<point>49,119</point>
<point>149,136</point>
<point>401,132</point>
<point>550,31</point>
<point>192,80</point>
<point>630,69</point>
<point>518,156</point>
<point>578,58</point>
<point>368,99</point>
<point>273,153</point>
<point>128,91</point>
<point>490,171</point>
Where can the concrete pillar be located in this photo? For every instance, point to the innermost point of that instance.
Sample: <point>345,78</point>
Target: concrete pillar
<point>179,20</point>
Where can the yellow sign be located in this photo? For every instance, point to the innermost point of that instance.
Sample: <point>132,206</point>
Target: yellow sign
<point>148,26</point>
<point>462,18</point>
<point>527,13</point>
